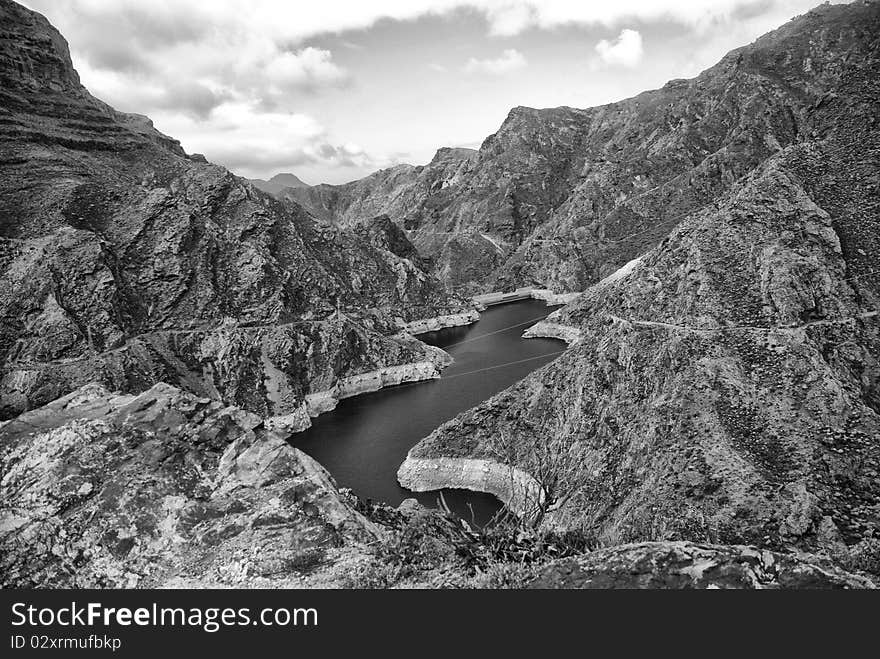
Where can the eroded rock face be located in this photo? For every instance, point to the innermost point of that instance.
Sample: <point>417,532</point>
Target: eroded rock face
<point>108,490</point>
<point>684,565</point>
<point>724,386</point>
<point>124,261</point>
<point>561,197</point>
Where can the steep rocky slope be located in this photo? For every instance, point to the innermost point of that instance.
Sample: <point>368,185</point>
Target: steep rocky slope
<point>126,262</point>
<point>560,198</point>
<point>724,386</point>
<point>416,198</point>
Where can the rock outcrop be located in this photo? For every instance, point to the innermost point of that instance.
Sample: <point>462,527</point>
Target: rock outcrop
<point>725,386</point>
<point>165,489</point>
<point>103,490</point>
<point>126,262</point>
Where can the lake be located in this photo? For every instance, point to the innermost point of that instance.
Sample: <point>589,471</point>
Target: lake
<point>366,438</point>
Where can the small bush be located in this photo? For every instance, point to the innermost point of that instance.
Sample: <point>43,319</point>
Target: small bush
<point>861,557</point>
<point>504,576</point>
<point>372,575</point>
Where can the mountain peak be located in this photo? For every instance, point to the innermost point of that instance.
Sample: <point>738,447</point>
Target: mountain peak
<point>445,153</point>
<point>290,180</point>
<point>35,55</point>
<point>278,182</point>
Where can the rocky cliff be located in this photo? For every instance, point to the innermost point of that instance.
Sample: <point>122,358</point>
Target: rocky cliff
<point>559,198</point>
<point>126,262</point>
<point>725,386</point>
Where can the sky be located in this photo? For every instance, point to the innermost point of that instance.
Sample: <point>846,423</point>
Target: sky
<point>332,90</point>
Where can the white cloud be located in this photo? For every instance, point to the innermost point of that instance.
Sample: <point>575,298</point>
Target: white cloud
<point>260,48</point>
<point>277,141</point>
<point>509,19</point>
<point>282,20</point>
<point>510,60</point>
<point>211,51</point>
<point>625,50</point>
<point>308,68</point>
<point>231,78</point>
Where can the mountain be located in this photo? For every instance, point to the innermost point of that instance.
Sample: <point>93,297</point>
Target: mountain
<point>394,191</point>
<point>278,183</point>
<point>165,327</point>
<point>724,384</point>
<point>124,261</point>
<point>560,198</point>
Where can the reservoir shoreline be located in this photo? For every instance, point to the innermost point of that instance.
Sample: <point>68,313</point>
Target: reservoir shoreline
<point>367,437</point>
<point>321,402</point>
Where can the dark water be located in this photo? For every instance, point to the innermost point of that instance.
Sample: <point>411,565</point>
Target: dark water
<point>366,438</point>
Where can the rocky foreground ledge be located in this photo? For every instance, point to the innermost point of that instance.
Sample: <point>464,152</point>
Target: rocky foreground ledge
<point>685,565</point>
<point>102,490</point>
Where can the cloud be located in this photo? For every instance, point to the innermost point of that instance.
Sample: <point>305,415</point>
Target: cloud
<point>625,50</point>
<point>512,18</point>
<point>232,78</point>
<point>265,77</point>
<point>309,68</point>
<point>278,141</point>
<point>194,99</point>
<point>164,22</point>
<point>209,51</point>
<point>261,50</point>
<point>510,60</point>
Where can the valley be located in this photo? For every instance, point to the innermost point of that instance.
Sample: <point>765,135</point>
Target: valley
<point>649,329</point>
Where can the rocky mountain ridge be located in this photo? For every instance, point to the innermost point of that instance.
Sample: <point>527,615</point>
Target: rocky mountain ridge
<point>559,198</point>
